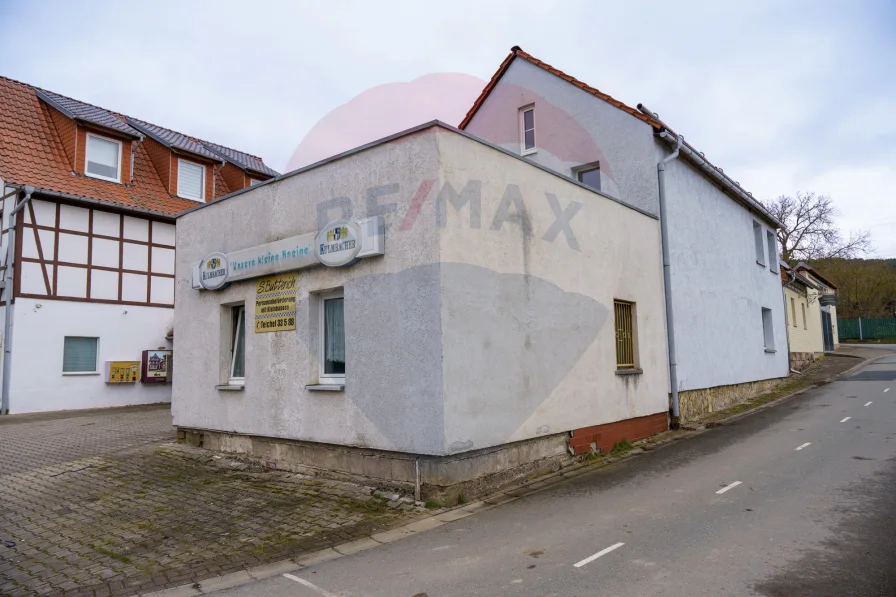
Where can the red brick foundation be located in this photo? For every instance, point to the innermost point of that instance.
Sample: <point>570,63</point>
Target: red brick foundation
<point>604,437</point>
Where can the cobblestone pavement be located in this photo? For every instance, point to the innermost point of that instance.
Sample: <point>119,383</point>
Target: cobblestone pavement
<point>107,504</point>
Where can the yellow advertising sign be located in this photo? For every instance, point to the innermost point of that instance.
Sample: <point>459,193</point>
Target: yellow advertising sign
<point>275,303</point>
<point>124,371</point>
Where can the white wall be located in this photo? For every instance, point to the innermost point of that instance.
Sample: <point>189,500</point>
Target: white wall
<point>528,325</point>
<point>718,289</point>
<point>124,331</point>
<point>572,127</point>
<point>457,338</point>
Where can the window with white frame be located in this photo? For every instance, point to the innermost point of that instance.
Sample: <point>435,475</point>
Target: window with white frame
<point>254,181</point>
<point>527,130</point>
<point>79,354</point>
<point>190,180</point>
<point>772,251</point>
<point>238,346</point>
<point>332,338</point>
<point>103,158</point>
<point>757,239</point>
<point>768,330</point>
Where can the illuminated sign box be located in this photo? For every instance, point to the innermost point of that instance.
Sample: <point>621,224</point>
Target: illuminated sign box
<point>337,244</point>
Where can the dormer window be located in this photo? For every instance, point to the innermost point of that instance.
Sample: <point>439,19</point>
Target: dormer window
<point>254,181</point>
<point>103,158</point>
<point>190,180</point>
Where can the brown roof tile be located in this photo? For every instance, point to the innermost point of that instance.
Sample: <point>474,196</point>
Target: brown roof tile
<point>517,52</point>
<point>32,153</point>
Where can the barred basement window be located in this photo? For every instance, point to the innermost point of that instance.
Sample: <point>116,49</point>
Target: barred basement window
<point>625,335</point>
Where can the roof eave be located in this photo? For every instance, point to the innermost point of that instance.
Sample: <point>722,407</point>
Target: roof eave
<point>90,200</point>
<point>726,182</point>
<point>166,143</point>
<point>68,114</point>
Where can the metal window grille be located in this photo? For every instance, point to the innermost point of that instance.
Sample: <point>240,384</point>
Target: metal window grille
<point>625,340</point>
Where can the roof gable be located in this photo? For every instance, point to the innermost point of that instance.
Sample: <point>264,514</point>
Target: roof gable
<point>517,52</point>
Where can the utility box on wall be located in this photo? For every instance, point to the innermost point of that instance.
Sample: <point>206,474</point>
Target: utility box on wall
<point>122,371</point>
<point>157,366</point>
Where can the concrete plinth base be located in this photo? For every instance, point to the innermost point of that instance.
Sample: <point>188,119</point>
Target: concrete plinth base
<point>440,478</point>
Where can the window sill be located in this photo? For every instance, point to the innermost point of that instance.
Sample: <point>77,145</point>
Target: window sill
<point>770,350</point>
<point>760,263</point>
<point>98,177</point>
<point>80,372</point>
<point>231,388</point>
<point>326,387</point>
<point>632,371</point>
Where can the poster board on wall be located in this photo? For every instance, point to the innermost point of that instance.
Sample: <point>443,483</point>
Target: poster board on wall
<point>275,303</point>
<point>157,366</point>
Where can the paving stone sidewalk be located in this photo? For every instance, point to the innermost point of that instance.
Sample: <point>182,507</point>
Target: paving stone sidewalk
<point>107,504</point>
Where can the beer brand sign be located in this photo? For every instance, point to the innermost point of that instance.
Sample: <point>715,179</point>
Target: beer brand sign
<point>213,271</point>
<point>337,244</point>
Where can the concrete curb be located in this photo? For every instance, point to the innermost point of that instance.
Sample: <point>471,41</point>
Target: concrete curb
<point>447,515</point>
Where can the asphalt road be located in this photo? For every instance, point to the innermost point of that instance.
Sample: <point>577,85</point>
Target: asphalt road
<point>796,500</point>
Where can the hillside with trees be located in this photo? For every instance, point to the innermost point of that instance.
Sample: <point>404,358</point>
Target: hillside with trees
<point>866,287</point>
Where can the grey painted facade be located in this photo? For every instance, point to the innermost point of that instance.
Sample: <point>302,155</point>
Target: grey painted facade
<point>718,289</point>
<point>488,320</point>
<point>572,128</point>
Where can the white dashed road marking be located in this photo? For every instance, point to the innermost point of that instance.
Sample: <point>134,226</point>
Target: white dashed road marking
<point>602,552</point>
<point>807,444</point>
<point>726,488</point>
<point>887,390</point>
<point>845,419</point>
<point>311,586</point>
<point>869,403</point>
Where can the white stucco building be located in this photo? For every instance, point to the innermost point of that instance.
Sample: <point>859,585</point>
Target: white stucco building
<point>491,308</point>
<point>90,196</point>
<point>724,287</point>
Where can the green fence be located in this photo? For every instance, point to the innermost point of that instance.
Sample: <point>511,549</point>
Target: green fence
<point>866,329</point>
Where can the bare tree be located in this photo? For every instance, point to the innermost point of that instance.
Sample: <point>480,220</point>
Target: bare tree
<point>809,230</point>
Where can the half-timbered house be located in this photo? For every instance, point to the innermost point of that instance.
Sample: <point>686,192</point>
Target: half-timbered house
<point>89,198</point>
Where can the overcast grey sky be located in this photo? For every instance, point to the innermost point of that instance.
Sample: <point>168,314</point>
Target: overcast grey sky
<point>785,96</point>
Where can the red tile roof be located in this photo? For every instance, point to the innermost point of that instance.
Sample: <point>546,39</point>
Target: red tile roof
<point>517,52</point>
<point>32,153</point>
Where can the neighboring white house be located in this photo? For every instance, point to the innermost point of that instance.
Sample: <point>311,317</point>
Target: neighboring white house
<point>92,282</point>
<point>488,317</point>
<point>724,286</point>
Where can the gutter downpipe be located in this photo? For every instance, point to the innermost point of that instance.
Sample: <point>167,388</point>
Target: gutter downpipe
<point>667,281</point>
<point>7,324</point>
